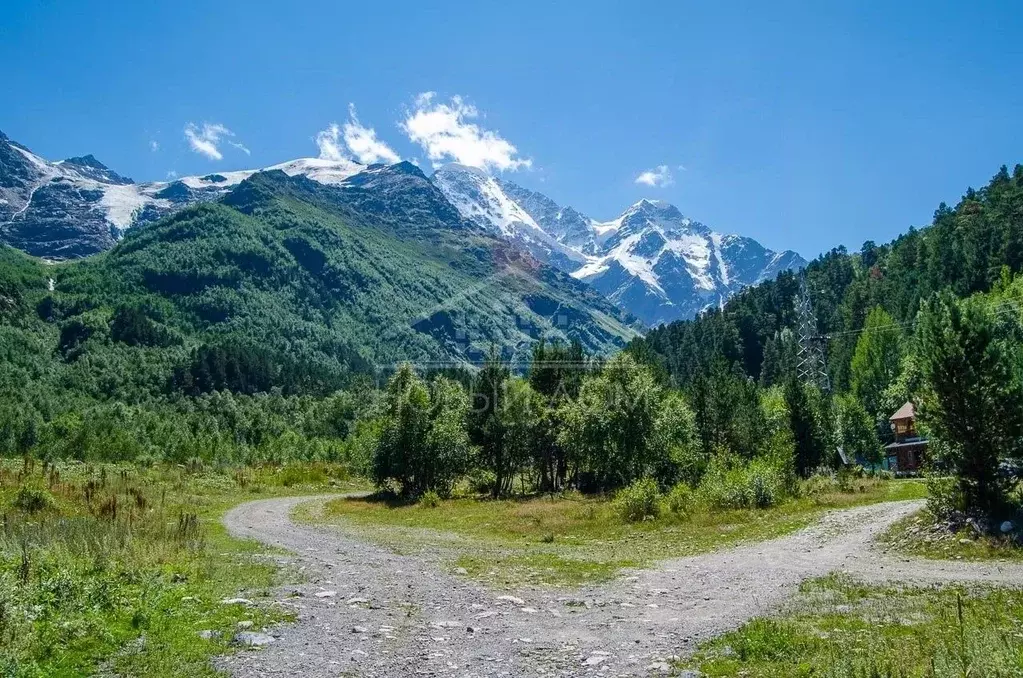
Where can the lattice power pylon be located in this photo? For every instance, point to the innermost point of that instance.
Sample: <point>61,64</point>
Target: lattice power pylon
<point>810,365</point>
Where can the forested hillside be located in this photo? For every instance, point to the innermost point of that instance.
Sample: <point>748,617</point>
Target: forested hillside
<point>285,287</point>
<point>964,250</point>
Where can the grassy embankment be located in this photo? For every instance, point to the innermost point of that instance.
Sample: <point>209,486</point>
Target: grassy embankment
<point>117,568</point>
<point>838,628</point>
<point>570,540</point>
<point>919,535</point>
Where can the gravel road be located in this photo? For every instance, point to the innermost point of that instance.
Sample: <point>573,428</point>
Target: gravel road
<point>368,612</point>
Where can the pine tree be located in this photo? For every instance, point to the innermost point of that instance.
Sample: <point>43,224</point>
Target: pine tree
<point>728,412</point>
<point>810,443</point>
<point>971,399</point>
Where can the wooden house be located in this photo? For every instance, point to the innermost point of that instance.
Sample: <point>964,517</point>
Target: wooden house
<point>907,453</point>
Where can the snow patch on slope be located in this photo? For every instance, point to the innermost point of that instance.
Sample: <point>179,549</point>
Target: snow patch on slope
<point>219,180</point>
<point>477,196</point>
<point>480,198</point>
<point>716,239</point>
<point>44,167</point>
<point>122,202</point>
<point>639,266</point>
<point>329,172</point>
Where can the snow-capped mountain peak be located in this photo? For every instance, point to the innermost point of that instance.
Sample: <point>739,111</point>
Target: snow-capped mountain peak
<point>79,206</point>
<point>483,199</point>
<point>652,259</point>
<point>658,214</point>
<point>479,197</point>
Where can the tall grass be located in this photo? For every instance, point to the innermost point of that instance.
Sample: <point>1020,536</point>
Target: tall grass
<point>93,558</point>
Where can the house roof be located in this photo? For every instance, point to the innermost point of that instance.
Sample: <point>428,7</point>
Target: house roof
<point>904,412</point>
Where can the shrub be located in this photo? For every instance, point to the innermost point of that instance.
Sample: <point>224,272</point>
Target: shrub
<point>945,500</point>
<point>481,481</point>
<point>687,464</point>
<point>766,482</point>
<point>194,466</point>
<point>290,475</point>
<point>733,484</point>
<point>390,489</point>
<point>147,461</point>
<point>845,477</point>
<point>822,481</point>
<point>723,485</point>
<point>638,501</point>
<point>680,499</point>
<point>33,500</point>
<point>429,499</point>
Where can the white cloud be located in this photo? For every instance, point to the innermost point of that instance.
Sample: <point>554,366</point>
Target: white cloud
<point>329,141</point>
<point>205,139</point>
<point>658,176</point>
<point>354,140</point>
<point>154,145</point>
<point>240,147</point>
<point>445,133</point>
<point>171,174</point>
<point>363,142</point>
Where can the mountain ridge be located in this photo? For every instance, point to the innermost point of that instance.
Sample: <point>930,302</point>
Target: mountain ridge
<point>322,276</point>
<point>78,206</point>
<point>651,260</point>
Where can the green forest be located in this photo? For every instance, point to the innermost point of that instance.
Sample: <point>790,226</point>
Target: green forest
<point>934,317</point>
<point>248,330</point>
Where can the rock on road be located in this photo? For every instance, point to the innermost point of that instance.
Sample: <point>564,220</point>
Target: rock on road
<point>366,611</point>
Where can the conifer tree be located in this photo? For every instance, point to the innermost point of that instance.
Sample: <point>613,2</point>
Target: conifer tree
<point>971,398</point>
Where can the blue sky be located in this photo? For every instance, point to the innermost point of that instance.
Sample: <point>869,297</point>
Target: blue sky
<point>804,125</point>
